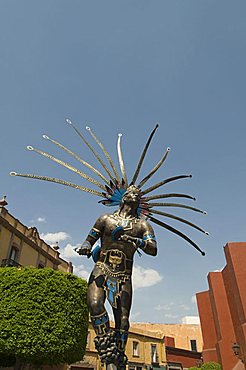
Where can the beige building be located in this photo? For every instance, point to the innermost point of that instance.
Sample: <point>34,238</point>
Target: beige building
<point>149,345</point>
<point>185,336</point>
<point>144,350</point>
<point>22,246</point>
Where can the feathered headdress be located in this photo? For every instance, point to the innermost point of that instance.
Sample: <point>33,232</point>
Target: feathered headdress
<point>114,186</point>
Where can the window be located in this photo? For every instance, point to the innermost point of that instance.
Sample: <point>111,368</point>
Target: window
<point>193,345</point>
<point>13,254</point>
<point>135,349</point>
<point>13,257</point>
<point>154,355</point>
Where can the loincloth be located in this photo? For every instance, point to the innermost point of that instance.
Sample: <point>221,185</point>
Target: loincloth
<point>116,270</point>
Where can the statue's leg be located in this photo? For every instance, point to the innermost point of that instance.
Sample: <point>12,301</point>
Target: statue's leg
<point>95,303</point>
<point>122,314</point>
<point>117,315</point>
<point>105,338</point>
<point>126,302</point>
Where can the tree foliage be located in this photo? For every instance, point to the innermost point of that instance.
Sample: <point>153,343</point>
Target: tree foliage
<point>207,366</point>
<point>43,316</point>
<point>211,366</point>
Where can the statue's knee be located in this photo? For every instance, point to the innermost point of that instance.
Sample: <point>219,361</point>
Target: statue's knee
<point>95,306</point>
<point>124,323</point>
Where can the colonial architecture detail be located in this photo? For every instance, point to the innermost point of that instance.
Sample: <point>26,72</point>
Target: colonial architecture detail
<point>22,246</point>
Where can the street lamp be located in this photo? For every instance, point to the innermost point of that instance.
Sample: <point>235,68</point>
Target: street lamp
<point>236,350</point>
<point>199,363</point>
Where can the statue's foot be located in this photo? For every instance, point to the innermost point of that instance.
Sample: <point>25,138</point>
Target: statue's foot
<point>109,354</point>
<point>121,361</point>
<point>106,347</point>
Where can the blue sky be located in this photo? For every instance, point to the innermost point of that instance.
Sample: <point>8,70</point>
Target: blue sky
<point>122,66</point>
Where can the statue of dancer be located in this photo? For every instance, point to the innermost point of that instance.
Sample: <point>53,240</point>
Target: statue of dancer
<point>122,234</point>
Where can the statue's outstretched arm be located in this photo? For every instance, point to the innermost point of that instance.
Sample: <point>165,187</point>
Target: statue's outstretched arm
<point>94,234</point>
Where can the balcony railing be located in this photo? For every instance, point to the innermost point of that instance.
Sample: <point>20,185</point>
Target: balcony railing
<point>9,263</point>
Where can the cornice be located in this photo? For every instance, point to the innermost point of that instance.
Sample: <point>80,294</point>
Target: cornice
<point>23,237</point>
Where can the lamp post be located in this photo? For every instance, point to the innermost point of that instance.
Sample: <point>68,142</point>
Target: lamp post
<point>237,352</point>
<point>199,363</point>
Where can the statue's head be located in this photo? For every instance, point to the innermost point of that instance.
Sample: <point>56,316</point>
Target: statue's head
<point>132,196</point>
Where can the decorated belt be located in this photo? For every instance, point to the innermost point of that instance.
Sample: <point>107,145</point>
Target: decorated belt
<point>115,263</point>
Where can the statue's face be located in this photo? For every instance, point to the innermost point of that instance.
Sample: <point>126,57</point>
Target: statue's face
<point>132,195</point>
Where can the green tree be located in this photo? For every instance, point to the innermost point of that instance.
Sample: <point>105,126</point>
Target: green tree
<point>43,316</point>
<point>211,366</point>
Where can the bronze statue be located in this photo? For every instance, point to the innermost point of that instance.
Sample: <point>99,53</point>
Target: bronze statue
<point>121,233</point>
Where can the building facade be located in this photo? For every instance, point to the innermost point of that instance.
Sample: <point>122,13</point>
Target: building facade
<point>222,310</point>
<point>145,350</point>
<point>184,336</point>
<point>22,246</point>
<point>152,346</point>
<point>183,343</point>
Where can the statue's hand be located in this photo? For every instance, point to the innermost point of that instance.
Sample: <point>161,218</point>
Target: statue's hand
<point>84,250</point>
<point>117,233</point>
<point>139,243</point>
<point>124,237</point>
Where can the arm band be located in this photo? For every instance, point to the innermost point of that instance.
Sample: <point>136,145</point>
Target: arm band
<point>149,236</point>
<point>95,233</point>
<point>140,243</point>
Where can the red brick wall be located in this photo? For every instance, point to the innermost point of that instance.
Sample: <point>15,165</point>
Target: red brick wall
<point>209,336</point>
<point>186,358</point>
<point>222,319</point>
<point>169,341</point>
<point>235,282</point>
<point>222,308</point>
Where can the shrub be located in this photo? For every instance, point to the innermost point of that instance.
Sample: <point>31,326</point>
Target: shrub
<point>211,366</point>
<point>43,316</point>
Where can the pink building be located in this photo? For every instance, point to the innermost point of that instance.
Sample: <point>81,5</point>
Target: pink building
<point>222,310</point>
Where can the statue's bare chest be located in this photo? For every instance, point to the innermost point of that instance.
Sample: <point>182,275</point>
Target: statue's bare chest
<point>131,226</point>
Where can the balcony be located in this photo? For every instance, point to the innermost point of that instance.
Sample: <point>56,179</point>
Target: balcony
<point>9,263</point>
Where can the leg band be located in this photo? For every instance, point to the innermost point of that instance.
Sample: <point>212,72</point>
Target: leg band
<point>100,323</point>
<point>121,339</point>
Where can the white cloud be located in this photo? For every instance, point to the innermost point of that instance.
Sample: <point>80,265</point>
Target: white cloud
<point>184,307</point>
<point>69,252</point>
<point>41,219</point>
<point>195,320</point>
<point>164,307</point>
<point>81,272</point>
<point>52,238</point>
<point>143,278</point>
<point>170,316</point>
